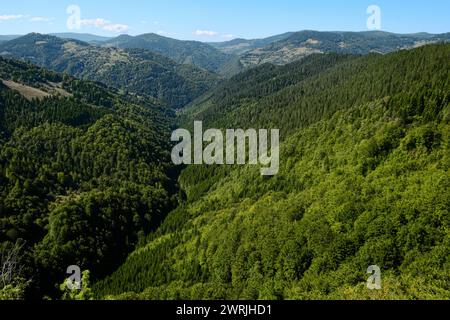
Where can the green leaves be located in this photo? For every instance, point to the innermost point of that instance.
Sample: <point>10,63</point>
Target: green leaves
<point>82,177</point>
<point>361,183</point>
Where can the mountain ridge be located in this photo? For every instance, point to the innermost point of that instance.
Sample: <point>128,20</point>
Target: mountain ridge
<point>363,181</point>
<point>137,70</point>
<point>303,43</point>
<point>184,52</point>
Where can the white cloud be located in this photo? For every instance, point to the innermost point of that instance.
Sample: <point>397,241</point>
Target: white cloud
<point>116,27</point>
<point>208,33</point>
<point>9,17</point>
<point>205,33</point>
<point>30,18</point>
<point>228,36</point>
<point>40,19</point>
<point>98,23</point>
<point>105,25</point>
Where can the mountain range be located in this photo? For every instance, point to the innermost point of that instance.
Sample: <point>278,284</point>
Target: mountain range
<point>136,70</point>
<point>231,57</point>
<point>240,46</point>
<point>85,37</point>
<point>86,176</point>
<point>70,144</point>
<point>294,46</point>
<point>363,181</point>
<point>184,52</point>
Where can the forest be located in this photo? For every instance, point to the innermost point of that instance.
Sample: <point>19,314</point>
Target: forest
<point>363,181</point>
<point>86,176</point>
<point>132,70</point>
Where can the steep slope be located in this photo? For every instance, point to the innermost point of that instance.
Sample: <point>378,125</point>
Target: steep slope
<point>184,52</point>
<point>84,173</point>
<point>216,106</point>
<point>310,95</point>
<point>304,43</point>
<point>363,181</point>
<point>139,71</point>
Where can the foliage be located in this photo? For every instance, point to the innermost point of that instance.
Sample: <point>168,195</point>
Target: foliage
<point>294,96</point>
<point>183,52</point>
<point>363,183</point>
<point>290,47</point>
<point>86,179</point>
<point>13,291</point>
<point>82,177</point>
<point>84,293</point>
<point>133,70</point>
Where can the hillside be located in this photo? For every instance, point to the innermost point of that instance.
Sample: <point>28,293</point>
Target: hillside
<point>8,37</point>
<point>300,44</point>
<point>184,52</point>
<point>363,181</point>
<point>289,97</point>
<point>241,46</point>
<point>85,173</point>
<point>86,37</point>
<point>224,105</point>
<point>135,70</point>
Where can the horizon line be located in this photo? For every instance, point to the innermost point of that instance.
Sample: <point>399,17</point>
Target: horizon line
<point>236,38</point>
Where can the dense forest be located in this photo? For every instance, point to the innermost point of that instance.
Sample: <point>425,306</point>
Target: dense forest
<point>132,70</point>
<point>84,176</point>
<point>363,180</point>
<point>290,47</point>
<point>331,42</point>
<point>184,52</point>
<point>292,96</point>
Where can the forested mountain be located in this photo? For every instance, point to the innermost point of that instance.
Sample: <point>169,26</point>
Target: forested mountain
<point>240,46</point>
<point>133,70</point>
<point>363,181</point>
<point>300,44</point>
<point>8,37</point>
<point>184,52</point>
<point>85,173</point>
<point>222,105</point>
<point>291,96</point>
<point>86,37</point>
<point>86,177</point>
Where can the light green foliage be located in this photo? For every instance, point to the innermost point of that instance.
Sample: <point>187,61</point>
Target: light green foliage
<point>311,231</point>
<point>13,292</point>
<point>84,293</point>
<point>86,179</point>
<point>366,185</point>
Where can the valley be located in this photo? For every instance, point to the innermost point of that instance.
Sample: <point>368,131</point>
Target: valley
<point>355,186</point>
<point>87,177</point>
<point>133,70</point>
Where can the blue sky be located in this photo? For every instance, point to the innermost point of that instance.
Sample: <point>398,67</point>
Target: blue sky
<point>214,20</point>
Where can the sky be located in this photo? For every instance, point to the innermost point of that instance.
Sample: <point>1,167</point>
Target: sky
<point>215,20</point>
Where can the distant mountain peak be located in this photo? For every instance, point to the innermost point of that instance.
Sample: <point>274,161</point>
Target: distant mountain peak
<point>195,53</point>
<point>137,70</point>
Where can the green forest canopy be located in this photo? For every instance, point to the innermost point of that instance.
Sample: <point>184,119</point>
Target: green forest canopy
<point>86,178</point>
<point>363,180</point>
<point>83,176</point>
